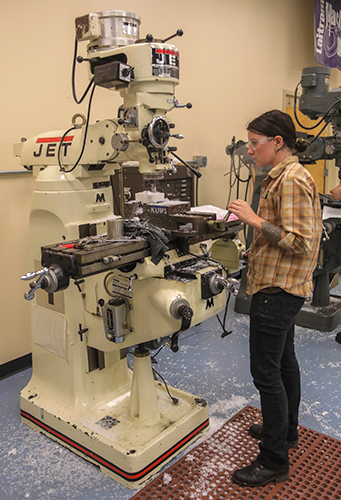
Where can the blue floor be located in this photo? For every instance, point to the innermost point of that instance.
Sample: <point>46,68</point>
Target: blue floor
<point>34,467</point>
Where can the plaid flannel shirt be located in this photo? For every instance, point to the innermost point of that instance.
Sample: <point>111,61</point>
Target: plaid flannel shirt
<point>289,199</point>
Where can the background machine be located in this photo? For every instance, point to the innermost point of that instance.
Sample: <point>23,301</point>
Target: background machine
<point>323,310</point>
<point>318,103</point>
<point>118,284</point>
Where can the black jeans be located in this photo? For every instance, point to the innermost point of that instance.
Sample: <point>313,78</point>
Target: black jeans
<point>275,372</point>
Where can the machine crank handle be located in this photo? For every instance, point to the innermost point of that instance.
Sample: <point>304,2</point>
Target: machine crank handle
<point>218,283</point>
<point>174,341</point>
<point>185,312</point>
<point>31,276</point>
<point>51,279</point>
<point>35,284</point>
<point>232,286</point>
<point>177,136</point>
<point>195,172</point>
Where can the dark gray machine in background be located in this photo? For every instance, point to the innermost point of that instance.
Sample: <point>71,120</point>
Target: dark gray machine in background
<point>323,311</point>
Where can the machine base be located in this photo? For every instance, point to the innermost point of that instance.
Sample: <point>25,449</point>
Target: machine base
<point>323,319</point>
<point>128,451</point>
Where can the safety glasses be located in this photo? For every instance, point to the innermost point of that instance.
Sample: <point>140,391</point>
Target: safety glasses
<point>255,143</point>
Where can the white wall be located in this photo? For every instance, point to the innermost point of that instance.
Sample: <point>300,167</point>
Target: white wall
<point>236,58</point>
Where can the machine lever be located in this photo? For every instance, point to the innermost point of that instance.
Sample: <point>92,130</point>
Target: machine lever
<point>192,169</point>
<point>81,59</point>
<point>167,258</point>
<point>227,215</point>
<point>81,331</point>
<point>325,235</point>
<point>203,248</point>
<point>36,284</point>
<point>174,169</point>
<point>131,279</point>
<point>178,105</point>
<point>178,33</point>
<point>78,283</point>
<point>151,159</point>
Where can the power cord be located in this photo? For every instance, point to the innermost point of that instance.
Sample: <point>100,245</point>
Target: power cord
<point>73,77</point>
<point>78,101</point>
<point>175,400</point>
<point>84,138</point>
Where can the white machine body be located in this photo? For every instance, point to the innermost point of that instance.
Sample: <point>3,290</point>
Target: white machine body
<point>83,393</point>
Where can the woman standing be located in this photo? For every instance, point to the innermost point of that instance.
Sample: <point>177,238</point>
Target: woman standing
<point>282,258</point>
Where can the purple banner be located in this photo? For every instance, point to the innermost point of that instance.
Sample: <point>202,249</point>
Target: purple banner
<point>328,33</point>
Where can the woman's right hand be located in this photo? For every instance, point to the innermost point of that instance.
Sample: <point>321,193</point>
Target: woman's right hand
<point>336,193</point>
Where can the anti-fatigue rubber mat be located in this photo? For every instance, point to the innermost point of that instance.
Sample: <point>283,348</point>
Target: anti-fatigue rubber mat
<point>205,472</point>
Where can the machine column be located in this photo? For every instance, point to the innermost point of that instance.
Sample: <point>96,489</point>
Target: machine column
<point>143,398</point>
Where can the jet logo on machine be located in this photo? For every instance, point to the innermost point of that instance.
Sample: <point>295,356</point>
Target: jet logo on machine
<point>48,146</point>
<point>165,63</point>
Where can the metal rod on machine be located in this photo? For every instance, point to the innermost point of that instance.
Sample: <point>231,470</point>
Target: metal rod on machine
<point>120,192</point>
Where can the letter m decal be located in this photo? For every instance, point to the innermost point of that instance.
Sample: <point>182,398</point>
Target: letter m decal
<point>100,197</point>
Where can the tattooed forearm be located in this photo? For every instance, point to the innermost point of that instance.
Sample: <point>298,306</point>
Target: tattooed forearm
<point>271,232</point>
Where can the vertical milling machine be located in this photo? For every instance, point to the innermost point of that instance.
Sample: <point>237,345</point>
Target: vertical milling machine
<point>114,285</point>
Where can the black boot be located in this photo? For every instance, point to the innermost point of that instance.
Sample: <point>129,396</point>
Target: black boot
<point>256,431</point>
<point>258,475</point>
